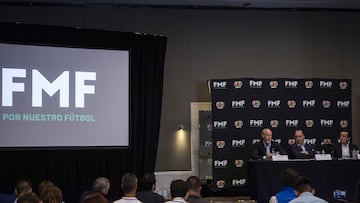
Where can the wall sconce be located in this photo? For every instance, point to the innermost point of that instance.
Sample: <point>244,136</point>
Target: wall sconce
<point>181,127</point>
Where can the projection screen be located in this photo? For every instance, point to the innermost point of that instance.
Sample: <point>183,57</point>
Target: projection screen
<point>63,97</point>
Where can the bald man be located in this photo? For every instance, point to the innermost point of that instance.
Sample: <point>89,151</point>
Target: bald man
<point>265,148</point>
<point>301,150</point>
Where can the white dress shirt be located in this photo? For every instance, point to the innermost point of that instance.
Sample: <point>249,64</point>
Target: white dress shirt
<point>345,150</point>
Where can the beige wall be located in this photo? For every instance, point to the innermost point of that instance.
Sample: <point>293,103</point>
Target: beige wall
<point>208,44</point>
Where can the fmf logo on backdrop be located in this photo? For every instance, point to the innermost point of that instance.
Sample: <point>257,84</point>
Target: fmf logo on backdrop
<point>256,123</point>
<point>273,103</point>
<point>40,84</point>
<point>291,123</point>
<point>343,85</point>
<point>273,84</point>
<point>309,123</point>
<point>238,104</point>
<point>343,104</point>
<point>256,103</point>
<point>219,85</point>
<point>238,143</point>
<point>239,163</point>
<point>220,124</point>
<point>220,164</point>
<point>237,182</point>
<point>238,84</point>
<point>274,123</point>
<point>254,141</point>
<point>220,104</point>
<point>326,123</point>
<point>309,103</point>
<point>291,141</point>
<point>238,124</point>
<point>325,84</point>
<point>309,84</point>
<point>343,123</point>
<point>208,143</point>
<point>326,104</point>
<point>326,141</point>
<point>291,104</point>
<point>255,84</point>
<point>310,141</point>
<point>291,84</point>
<point>220,144</point>
<point>220,183</point>
<point>277,141</point>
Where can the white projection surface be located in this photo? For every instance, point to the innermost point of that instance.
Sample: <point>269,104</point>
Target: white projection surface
<point>63,97</point>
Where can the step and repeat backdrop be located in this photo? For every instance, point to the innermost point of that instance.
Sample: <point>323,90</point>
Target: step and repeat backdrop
<point>242,107</point>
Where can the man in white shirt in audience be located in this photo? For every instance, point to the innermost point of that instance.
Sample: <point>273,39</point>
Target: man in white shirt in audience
<point>344,149</point>
<point>129,186</point>
<point>178,191</point>
<point>305,192</point>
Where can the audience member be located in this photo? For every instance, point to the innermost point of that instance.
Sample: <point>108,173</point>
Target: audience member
<point>23,186</point>
<point>265,148</point>
<point>51,194</point>
<point>93,197</point>
<point>102,185</point>
<point>194,190</point>
<point>45,184</point>
<point>146,190</point>
<point>305,192</point>
<point>301,150</point>
<point>344,148</point>
<point>287,192</point>
<point>29,197</point>
<point>178,191</point>
<point>129,186</point>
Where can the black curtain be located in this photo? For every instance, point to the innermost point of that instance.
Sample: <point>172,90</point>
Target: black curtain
<point>73,170</point>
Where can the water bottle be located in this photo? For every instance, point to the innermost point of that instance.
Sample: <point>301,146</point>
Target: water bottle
<point>354,154</point>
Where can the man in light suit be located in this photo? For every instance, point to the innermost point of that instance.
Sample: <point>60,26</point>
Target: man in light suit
<point>344,148</point>
<point>265,148</point>
<point>301,150</point>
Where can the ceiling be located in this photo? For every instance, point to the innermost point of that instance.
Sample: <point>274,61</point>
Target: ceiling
<point>265,4</point>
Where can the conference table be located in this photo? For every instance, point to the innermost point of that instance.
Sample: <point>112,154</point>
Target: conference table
<point>327,176</point>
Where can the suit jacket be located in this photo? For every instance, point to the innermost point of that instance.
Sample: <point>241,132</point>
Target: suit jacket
<point>337,150</point>
<point>260,150</point>
<point>149,197</point>
<point>196,199</point>
<point>295,151</point>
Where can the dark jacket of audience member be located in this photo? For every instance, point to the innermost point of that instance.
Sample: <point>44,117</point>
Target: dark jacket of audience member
<point>146,190</point>
<point>93,197</point>
<point>194,190</point>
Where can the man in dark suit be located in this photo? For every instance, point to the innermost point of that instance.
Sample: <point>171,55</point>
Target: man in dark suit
<point>301,150</point>
<point>194,190</point>
<point>146,190</point>
<point>344,148</point>
<point>265,148</point>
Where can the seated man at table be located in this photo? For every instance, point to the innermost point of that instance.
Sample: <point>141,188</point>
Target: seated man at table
<point>300,150</point>
<point>265,148</point>
<point>305,192</point>
<point>344,148</point>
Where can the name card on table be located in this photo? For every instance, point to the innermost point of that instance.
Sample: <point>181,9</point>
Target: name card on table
<point>323,157</point>
<point>279,157</point>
